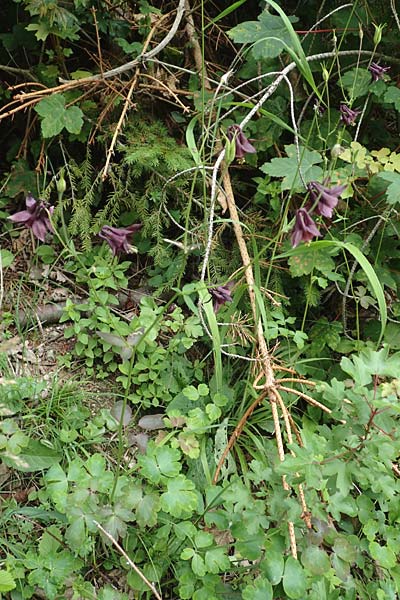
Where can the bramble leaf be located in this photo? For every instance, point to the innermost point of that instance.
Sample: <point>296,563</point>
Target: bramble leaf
<point>55,116</point>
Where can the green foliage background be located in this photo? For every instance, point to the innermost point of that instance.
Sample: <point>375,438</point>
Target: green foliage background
<point>329,309</point>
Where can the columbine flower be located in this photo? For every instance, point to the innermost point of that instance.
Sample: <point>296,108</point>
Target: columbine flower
<point>243,145</point>
<point>325,198</point>
<point>118,237</point>
<point>221,294</point>
<point>377,71</point>
<point>304,229</point>
<point>36,217</point>
<point>348,115</point>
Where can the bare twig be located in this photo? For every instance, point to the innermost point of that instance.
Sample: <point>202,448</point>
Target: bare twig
<point>305,397</point>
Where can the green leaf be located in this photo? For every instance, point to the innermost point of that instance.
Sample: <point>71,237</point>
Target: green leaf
<point>160,462</point>
<point>363,366</point>
<point>273,565</point>
<point>191,393</point>
<point>364,264</point>
<point>216,560</point>
<point>295,49</point>
<point>344,549</point>
<point>7,582</point>
<point>187,553</point>
<point>33,457</point>
<point>315,560</point>
<point>180,500</point>
<point>198,566</point>
<point>55,116</point>
<point>73,119</point>
<point>356,82</point>
<point>269,35</point>
<point>383,555</point>
<point>261,589</point>
<point>147,509</point>
<point>288,168</point>
<point>6,258</point>
<point>306,261</point>
<point>393,188</point>
<point>52,111</point>
<point>294,579</point>
<point>393,96</point>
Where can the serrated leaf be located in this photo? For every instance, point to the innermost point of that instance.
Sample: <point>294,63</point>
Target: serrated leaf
<point>294,579</point>
<point>383,555</point>
<point>393,189</point>
<point>160,462</point>
<point>393,96</point>
<point>55,116</point>
<point>52,111</point>
<point>261,589</point>
<point>180,499</point>
<point>6,258</point>
<point>7,582</point>
<point>216,560</point>
<point>363,366</point>
<point>73,119</point>
<point>356,82</point>
<point>288,168</point>
<point>269,35</point>
<point>198,566</point>
<point>306,260</point>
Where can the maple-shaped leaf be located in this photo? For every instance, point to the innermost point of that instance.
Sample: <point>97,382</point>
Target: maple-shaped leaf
<point>180,499</point>
<point>288,168</point>
<point>269,35</point>
<point>159,462</point>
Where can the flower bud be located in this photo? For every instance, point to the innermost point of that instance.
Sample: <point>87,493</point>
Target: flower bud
<point>325,74</point>
<point>230,151</point>
<point>61,184</point>
<point>378,33</point>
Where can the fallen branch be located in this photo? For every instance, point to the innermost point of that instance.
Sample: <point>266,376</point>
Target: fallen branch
<point>48,314</point>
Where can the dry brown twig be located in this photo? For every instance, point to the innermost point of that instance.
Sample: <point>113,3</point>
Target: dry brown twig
<point>129,560</point>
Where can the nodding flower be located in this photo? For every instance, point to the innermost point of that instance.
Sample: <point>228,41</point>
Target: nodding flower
<point>377,71</point>
<point>118,237</point>
<point>304,229</point>
<point>221,294</point>
<point>242,144</point>
<point>324,198</point>
<point>348,115</point>
<point>35,216</point>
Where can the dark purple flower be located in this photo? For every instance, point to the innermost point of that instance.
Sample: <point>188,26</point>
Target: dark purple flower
<point>36,217</point>
<point>118,237</point>
<point>377,71</point>
<point>347,114</point>
<point>221,294</point>
<point>304,228</point>
<point>324,198</point>
<point>243,145</point>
